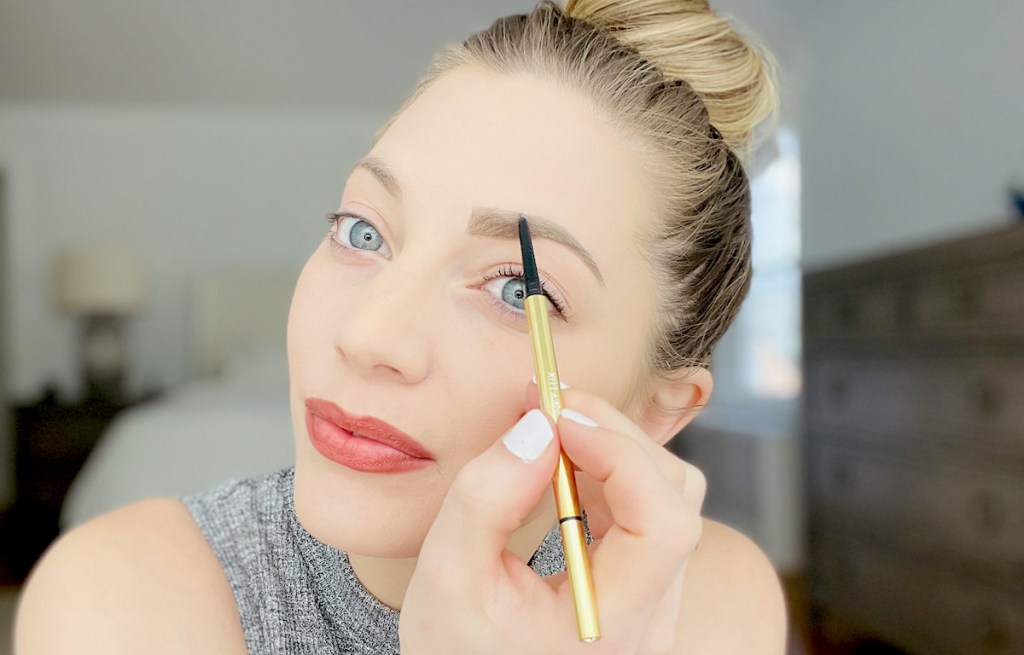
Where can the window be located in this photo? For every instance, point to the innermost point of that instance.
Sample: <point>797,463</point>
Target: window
<point>756,365</point>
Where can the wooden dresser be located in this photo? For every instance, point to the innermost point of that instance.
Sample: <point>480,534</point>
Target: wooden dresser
<point>914,446</point>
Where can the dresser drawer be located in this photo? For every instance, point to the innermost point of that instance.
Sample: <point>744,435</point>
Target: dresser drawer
<point>960,301</point>
<point>979,300</point>
<point>925,609</point>
<point>976,398</point>
<point>962,512</point>
<point>871,308</point>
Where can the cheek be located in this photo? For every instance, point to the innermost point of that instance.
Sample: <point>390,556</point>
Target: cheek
<point>484,392</point>
<point>601,361</point>
<point>299,311</point>
<point>315,305</point>
<point>480,376</point>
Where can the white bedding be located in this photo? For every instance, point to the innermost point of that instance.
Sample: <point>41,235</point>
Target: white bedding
<point>190,440</point>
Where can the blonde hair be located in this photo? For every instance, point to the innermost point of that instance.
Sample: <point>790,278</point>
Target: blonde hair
<point>689,92</point>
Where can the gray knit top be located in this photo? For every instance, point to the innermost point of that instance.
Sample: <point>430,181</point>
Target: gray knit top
<point>296,594</point>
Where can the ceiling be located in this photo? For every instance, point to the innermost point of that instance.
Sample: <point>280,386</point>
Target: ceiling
<point>312,54</point>
<point>300,53</point>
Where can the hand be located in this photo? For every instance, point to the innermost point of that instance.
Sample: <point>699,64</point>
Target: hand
<point>470,595</point>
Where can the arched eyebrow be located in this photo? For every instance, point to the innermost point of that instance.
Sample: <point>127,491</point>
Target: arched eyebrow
<point>504,224</point>
<point>387,179</point>
<point>492,222</point>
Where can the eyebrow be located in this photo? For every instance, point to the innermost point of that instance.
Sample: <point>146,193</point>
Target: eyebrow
<point>491,222</point>
<point>383,174</point>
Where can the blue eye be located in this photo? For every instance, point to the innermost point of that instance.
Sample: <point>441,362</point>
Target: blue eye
<point>514,293</point>
<point>351,231</point>
<point>510,286</point>
<point>363,235</point>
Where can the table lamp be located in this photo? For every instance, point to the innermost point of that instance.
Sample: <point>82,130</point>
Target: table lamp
<point>103,287</point>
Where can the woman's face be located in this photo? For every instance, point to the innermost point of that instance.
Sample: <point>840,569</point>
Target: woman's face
<point>407,311</point>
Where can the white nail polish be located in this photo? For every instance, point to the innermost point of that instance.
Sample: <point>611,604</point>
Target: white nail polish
<point>577,417</point>
<point>528,438</point>
<point>561,385</point>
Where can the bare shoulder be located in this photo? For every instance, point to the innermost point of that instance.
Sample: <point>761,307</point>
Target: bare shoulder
<point>138,579</point>
<point>732,598</point>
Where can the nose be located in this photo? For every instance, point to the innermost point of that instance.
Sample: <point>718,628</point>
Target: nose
<point>386,332</point>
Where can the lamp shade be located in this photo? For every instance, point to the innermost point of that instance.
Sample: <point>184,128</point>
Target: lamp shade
<point>99,281</point>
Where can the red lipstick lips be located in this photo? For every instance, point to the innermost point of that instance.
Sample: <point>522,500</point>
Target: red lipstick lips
<point>362,443</point>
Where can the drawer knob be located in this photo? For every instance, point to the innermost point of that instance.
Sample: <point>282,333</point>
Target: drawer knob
<point>838,390</point>
<point>846,573</point>
<point>987,512</point>
<point>848,312</point>
<point>991,629</point>
<point>986,398</point>
<point>842,476</point>
<point>967,300</point>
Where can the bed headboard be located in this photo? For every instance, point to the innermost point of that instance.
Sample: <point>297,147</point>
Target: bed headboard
<point>237,314</point>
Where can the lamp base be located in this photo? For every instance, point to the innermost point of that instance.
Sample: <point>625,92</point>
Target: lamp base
<point>103,356</point>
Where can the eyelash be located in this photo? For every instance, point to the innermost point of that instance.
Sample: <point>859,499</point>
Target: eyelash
<point>506,270</point>
<point>509,270</point>
<point>335,218</point>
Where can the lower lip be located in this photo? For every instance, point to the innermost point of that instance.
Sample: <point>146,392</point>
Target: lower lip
<point>358,453</point>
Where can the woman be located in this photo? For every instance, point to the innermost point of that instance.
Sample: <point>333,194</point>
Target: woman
<point>615,127</point>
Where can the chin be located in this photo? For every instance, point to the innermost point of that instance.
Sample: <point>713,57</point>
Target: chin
<point>368,514</point>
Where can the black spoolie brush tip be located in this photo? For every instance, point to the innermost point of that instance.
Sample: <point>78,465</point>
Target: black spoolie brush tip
<point>529,261</point>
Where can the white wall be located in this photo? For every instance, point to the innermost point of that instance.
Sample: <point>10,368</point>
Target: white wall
<point>193,190</point>
<point>909,116</point>
<point>911,122</point>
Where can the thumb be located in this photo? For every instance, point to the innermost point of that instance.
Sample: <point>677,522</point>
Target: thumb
<point>492,496</point>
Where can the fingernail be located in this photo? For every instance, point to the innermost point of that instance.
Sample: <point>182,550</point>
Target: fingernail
<point>561,384</point>
<point>528,438</point>
<point>577,417</point>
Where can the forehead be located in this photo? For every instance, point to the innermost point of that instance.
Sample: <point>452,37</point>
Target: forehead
<point>475,137</point>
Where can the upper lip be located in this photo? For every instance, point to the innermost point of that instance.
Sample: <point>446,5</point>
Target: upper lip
<point>369,427</point>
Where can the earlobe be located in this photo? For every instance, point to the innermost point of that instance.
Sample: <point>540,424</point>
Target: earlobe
<point>675,402</point>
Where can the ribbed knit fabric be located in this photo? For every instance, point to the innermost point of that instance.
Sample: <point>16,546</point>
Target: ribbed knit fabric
<point>294,593</point>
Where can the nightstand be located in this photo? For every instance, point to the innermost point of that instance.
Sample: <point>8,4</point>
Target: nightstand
<point>52,442</point>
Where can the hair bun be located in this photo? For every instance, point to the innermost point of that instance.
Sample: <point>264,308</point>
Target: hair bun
<point>687,40</point>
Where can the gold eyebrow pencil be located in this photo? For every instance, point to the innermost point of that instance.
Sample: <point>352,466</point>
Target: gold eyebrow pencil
<point>570,518</point>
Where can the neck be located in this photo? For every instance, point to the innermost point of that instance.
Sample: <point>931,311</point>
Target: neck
<point>388,578</point>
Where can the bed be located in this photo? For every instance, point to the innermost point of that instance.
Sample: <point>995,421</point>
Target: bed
<point>231,419</point>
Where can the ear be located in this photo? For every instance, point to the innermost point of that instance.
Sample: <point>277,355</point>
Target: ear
<point>674,403</point>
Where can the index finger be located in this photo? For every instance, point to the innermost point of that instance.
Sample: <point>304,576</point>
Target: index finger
<point>607,415</point>
<point>652,526</point>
